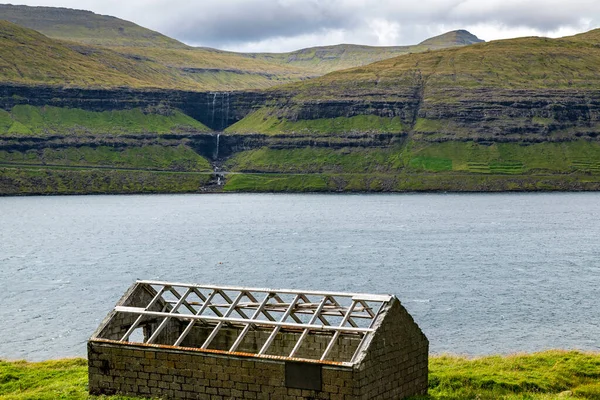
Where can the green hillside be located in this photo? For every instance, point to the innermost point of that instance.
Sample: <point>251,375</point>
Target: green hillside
<point>431,89</point>
<point>325,59</point>
<point>214,69</point>
<point>25,121</point>
<point>139,57</point>
<point>523,63</point>
<point>85,27</point>
<point>28,57</point>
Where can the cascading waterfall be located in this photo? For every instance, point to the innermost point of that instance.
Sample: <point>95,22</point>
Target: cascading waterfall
<point>217,148</point>
<point>214,104</point>
<point>227,112</point>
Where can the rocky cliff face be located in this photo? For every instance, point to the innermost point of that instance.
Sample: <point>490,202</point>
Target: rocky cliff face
<point>484,114</point>
<point>216,110</point>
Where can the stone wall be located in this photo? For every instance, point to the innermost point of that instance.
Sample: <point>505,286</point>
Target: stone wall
<point>392,364</point>
<point>180,374</point>
<point>395,362</point>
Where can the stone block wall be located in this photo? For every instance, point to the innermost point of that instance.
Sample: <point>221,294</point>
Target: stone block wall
<point>180,374</point>
<point>394,364</point>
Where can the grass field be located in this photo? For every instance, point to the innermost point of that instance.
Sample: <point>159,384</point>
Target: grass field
<point>407,182</point>
<point>415,157</point>
<point>43,181</point>
<point>152,157</point>
<point>540,376</point>
<point>25,120</point>
<point>267,121</point>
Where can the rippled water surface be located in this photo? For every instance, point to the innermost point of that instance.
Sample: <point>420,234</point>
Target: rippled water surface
<point>481,273</point>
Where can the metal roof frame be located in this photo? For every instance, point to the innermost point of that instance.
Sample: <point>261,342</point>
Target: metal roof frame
<point>355,314</point>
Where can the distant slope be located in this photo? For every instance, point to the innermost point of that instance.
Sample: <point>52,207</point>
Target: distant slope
<point>85,27</point>
<point>451,39</point>
<point>325,59</point>
<point>209,69</point>
<point>28,57</point>
<point>147,55</point>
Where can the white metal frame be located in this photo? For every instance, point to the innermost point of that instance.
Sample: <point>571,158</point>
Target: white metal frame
<point>300,315</point>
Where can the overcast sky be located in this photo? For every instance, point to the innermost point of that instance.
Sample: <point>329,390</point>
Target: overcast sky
<point>285,25</point>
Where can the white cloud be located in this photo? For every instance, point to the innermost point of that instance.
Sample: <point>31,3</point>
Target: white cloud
<point>285,25</point>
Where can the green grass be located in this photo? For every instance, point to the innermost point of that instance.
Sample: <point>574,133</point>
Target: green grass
<point>267,121</point>
<point>174,158</point>
<point>29,181</point>
<point>25,120</point>
<point>311,159</point>
<point>427,125</point>
<point>452,74</point>
<point>276,183</point>
<point>540,376</point>
<point>582,157</point>
<point>407,182</point>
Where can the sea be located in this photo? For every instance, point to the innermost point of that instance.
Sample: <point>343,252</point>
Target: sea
<point>480,273</point>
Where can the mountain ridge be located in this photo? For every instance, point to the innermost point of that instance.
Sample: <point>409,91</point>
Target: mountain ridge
<point>134,40</point>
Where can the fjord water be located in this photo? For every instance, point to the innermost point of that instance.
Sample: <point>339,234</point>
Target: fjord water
<point>481,273</point>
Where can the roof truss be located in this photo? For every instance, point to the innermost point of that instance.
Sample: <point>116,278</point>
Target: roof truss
<point>303,312</point>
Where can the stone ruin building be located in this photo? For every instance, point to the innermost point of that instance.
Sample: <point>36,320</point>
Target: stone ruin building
<point>187,341</point>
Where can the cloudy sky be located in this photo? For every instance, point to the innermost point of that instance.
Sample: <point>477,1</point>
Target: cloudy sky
<point>285,25</point>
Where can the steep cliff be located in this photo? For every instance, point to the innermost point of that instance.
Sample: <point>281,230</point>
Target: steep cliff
<point>529,89</point>
<point>520,114</point>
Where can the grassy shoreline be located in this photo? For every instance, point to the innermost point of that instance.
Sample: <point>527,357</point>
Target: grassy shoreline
<point>538,376</point>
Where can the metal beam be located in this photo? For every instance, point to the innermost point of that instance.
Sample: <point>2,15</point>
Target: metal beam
<point>289,312</point>
<point>223,320</point>
<point>355,296</point>
<point>140,311</point>
<point>243,333</point>
<point>337,334</point>
<point>133,327</point>
<point>193,321</point>
<point>164,322</point>
<point>312,321</point>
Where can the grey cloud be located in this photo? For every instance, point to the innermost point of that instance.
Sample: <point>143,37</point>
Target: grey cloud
<point>235,23</point>
<point>255,20</point>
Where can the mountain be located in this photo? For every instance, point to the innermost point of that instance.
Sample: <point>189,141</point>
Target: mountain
<point>227,70</point>
<point>85,27</point>
<point>519,114</point>
<point>28,57</point>
<point>451,39</point>
<point>135,56</point>
<point>325,59</point>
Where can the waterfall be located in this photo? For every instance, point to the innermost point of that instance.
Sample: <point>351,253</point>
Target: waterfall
<point>227,113</point>
<point>217,148</point>
<point>214,104</point>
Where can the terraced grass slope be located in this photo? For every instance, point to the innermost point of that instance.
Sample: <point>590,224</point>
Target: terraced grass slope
<point>540,376</point>
<point>325,59</point>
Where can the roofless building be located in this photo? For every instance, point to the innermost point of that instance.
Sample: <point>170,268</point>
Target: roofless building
<point>187,341</point>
